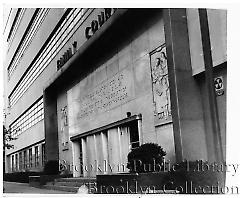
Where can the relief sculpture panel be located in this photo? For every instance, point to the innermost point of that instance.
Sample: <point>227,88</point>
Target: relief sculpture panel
<point>64,128</point>
<point>160,86</point>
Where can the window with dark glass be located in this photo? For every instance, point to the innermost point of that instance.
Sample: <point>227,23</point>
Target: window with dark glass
<point>25,159</point>
<point>20,161</point>
<point>36,156</point>
<point>16,162</point>
<point>12,162</point>
<point>43,154</point>
<point>30,157</point>
<point>134,136</point>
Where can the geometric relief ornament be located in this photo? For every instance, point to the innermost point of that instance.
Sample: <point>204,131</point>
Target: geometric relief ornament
<point>160,86</point>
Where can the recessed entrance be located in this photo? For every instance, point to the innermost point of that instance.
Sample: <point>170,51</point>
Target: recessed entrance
<point>105,151</point>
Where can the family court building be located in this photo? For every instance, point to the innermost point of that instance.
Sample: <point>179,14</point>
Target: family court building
<point>85,86</point>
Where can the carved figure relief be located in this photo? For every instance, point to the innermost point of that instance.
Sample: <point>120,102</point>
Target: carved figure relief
<point>160,82</point>
<point>64,124</point>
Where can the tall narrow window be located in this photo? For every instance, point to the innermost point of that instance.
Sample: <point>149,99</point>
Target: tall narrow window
<point>25,159</point>
<point>13,163</point>
<point>30,157</point>
<point>20,161</point>
<point>16,162</point>
<point>36,156</point>
<point>43,154</point>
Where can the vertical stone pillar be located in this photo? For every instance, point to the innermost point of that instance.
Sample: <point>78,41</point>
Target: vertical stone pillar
<point>51,126</point>
<point>84,156</point>
<point>187,112</point>
<point>207,54</point>
<point>105,151</point>
<point>76,160</point>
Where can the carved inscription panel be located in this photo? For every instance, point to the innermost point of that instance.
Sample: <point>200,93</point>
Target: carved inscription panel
<point>106,96</point>
<point>85,103</point>
<point>160,83</point>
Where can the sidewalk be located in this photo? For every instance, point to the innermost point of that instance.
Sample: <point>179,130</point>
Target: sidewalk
<point>13,187</point>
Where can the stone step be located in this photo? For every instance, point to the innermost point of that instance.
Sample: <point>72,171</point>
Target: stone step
<point>62,188</point>
<point>65,183</point>
<point>76,179</point>
<point>70,184</point>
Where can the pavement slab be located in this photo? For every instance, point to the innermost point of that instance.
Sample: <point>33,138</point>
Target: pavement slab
<point>14,187</point>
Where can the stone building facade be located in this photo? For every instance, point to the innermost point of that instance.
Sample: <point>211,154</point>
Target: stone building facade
<point>85,86</point>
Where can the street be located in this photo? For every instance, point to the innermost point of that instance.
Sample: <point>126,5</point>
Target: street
<point>13,187</point>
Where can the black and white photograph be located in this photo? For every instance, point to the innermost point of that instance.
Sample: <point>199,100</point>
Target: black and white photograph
<point>115,101</point>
